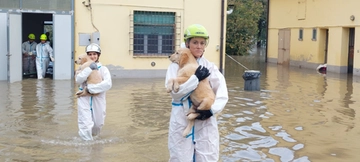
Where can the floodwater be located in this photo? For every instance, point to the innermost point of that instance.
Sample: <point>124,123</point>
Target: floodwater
<point>298,115</point>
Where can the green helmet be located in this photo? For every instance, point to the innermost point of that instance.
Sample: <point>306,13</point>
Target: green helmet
<point>31,36</point>
<point>196,30</point>
<point>43,37</point>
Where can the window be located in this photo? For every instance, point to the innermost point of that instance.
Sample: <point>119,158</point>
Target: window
<point>153,33</point>
<point>48,29</point>
<point>301,33</point>
<point>314,32</point>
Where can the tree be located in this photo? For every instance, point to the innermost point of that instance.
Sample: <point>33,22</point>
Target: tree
<point>262,25</point>
<point>242,26</point>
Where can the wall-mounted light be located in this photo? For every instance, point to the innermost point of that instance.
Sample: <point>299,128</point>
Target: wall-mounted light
<point>86,3</point>
<point>352,17</point>
<point>230,9</point>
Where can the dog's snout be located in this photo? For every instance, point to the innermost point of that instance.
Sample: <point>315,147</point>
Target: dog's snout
<point>169,56</point>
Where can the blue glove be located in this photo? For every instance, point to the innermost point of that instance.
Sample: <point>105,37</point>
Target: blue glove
<point>204,114</point>
<point>202,72</point>
<point>93,66</point>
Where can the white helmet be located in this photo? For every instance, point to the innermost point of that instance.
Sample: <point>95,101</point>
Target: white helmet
<point>93,47</point>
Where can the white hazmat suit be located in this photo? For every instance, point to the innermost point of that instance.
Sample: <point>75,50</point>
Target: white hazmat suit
<point>29,48</point>
<point>202,145</point>
<point>92,109</point>
<point>43,55</point>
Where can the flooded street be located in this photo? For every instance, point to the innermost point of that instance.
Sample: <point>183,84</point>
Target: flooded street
<point>299,115</point>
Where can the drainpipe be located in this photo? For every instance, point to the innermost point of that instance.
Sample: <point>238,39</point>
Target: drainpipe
<point>222,36</point>
<point>267,30</point>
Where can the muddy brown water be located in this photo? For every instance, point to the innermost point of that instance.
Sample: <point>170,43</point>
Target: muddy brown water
<point>299,115</point>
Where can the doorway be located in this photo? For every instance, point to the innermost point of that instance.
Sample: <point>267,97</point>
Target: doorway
<point>37,24</point>
<point>284,47</point>
<point>351,50</point>
<point>323,41</point>
<point>326,45</point>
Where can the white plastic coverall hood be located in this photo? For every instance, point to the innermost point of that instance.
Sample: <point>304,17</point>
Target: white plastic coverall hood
<point>204,137</point>
<point>92,109</point>
<point>43,54</point>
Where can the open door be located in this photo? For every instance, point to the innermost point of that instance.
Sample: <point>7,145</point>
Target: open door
<point>62,45</point>
<point>3,47</point>
<point>14,47</point>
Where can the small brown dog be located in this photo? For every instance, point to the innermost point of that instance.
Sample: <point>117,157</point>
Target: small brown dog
<point>95,77</point>
<point>202,97</point>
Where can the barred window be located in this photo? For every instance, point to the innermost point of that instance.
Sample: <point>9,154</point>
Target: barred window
<point>301,34</point>
<point>153,33</point>
<point>314,33</point>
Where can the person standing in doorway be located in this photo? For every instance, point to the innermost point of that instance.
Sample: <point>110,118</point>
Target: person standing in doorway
<point>202,144</point>
<point>44,53</point>
<point>92,109</point>
<point>28,51</point>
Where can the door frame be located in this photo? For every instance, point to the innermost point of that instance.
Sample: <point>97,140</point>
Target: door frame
<point>61,40</point>
<point>4,46</point>
<point>12,74</point>
<point>14,39</point>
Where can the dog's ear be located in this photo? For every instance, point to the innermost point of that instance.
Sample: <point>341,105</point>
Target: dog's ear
<point>84,59</point>
<point>184,58</point>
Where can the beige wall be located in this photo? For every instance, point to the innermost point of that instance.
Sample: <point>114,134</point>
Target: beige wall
<point>112,18</point>
<point>333,15</point>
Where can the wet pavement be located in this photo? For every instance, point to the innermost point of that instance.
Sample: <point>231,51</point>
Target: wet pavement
<point>298,115</point>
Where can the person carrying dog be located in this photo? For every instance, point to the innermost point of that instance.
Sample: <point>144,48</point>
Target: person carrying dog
<point>44,53</point>
<point>202,144</point>
<point>92,109</point>
<point>28,51</point>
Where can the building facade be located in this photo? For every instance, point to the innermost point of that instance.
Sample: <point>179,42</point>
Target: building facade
<point>136,36</point>
<point>308,33</point>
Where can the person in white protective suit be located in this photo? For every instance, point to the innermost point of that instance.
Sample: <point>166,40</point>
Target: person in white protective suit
<point>28,51</point>
<point>202,144</point>
<point>92,109</point>
<point>44,53</point>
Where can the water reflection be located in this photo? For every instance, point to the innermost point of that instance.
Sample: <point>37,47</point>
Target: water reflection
<point>297,116</point>
<point>306,116</point>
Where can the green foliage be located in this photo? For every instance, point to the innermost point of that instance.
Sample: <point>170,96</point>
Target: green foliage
<point>243,26</point>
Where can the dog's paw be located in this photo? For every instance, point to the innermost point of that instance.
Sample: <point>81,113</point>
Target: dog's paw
<point>79,92</point>
<point>168,89</point>
<point>169,86</point>
<point>192,116</point>
<point>176,87</point>
<point>185,133</point>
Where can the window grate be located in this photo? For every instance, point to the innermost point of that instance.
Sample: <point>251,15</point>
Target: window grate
<point>314,34</point>
<point>301,34</point>
<point>154,33</point>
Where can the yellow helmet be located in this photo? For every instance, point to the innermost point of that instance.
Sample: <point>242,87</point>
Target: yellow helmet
<point>43,37</point>
<point>195,30</point>
<point>31,36</point>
